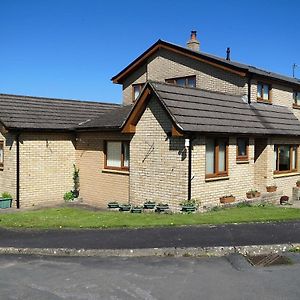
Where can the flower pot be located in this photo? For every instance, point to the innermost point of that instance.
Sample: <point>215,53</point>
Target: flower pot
<point>5,202</point>
<point>188,208</point>
<point>161,208</point>
<point>251,195</point>
<point>126,207</point>
<point>113,205</point>
<point>136,210</point>
<point>228,199</point>
<point>271,188</point>
<point>149,205</point>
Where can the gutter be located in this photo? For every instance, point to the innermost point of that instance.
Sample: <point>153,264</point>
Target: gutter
<point>249,88</point>
<point>188,143</point>
<point>18,170</point>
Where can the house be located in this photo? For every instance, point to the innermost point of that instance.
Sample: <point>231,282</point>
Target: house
<point>192,126</point>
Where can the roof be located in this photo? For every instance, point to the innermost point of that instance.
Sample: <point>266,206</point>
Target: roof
<point>111,120</point>
<point>195,110</point>
<point>231,65</point>
<point>38,113</point>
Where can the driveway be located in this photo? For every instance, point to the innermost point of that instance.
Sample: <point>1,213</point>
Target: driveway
<point>25,277</point>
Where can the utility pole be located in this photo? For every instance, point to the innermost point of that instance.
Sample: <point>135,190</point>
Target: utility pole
<point>294,67</point>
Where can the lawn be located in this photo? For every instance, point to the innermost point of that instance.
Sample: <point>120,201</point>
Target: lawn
<point>67,217</point>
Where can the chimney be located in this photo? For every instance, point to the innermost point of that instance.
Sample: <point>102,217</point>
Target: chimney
<point>193,43</point>
<point>228,53</point>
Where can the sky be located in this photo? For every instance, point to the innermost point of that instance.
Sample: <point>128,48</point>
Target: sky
<point>72,48</point>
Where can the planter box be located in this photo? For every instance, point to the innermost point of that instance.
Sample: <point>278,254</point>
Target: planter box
<point>188,208</point>
<point>113,205</point>
<point>5,202</point>
<point>227,199</point>
<point>149,205</point>
<point>124,207</point>
<point>253,195</point>
<point>136,210</point>
<point>161,208</point>
<point>271,189</point>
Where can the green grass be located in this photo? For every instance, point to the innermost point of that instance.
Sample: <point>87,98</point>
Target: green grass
<point>67,217</point>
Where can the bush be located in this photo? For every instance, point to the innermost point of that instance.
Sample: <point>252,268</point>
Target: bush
<point>68,196</point>
<point>244,204</point>
<point>6,195</point>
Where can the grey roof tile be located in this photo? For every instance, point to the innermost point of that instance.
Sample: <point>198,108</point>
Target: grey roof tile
<point>26,112</point>
<point>196,110</point>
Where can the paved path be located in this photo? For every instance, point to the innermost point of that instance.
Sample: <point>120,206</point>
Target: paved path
<point>187,236</point>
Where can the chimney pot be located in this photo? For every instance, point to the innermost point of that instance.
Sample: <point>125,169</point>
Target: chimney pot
<point>193,42</point>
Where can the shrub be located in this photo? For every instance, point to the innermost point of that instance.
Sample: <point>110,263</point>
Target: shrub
<point>68,196</point>
<point>6,195</point>
<point>244,204</point>
<point>191,202</point>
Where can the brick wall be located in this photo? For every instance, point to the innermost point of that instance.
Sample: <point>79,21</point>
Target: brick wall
<point>8,173</point>
<point>240,175</point>
<point>158,164</point>
<point>46,167</point>
<point>98,186</point>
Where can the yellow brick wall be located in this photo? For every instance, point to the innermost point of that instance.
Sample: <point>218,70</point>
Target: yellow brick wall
<point>8,173</point>
<point>97,187</point>
<point>46,168</point>
<point>158,164</point>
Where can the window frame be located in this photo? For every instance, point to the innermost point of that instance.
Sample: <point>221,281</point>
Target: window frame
<point>242,157</point>
<point>140,86</point>
<point>186,78</point>
<point>277,162</point>
<point>122,168</point>
<point>2,148</point>
<point>295,95</point>
<point>217,173</point>
<point>261,99</point>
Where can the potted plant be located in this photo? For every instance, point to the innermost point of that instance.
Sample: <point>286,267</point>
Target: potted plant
<point>149,205</point>
<point>252,194</point>
<point>113,204</point>
<point>298,183</point>
<point>5,200</point>
<point>227,199</point>
<point>124,207</point>
<point>75,182</point>
<point>69,196</point>
<point>189,206</point>
<point>271,188</point>
<point>161,207</point>
<point>136,209</point>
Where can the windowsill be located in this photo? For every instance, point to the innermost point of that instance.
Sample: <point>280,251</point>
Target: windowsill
<point>286,174</point>
<point>264,101</point>
<point>296,106</point>
<point>246,161</point>
<point>111,171</point>
<point>217,178</point>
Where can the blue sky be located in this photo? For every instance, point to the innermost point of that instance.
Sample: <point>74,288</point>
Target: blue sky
<point>71,48</point>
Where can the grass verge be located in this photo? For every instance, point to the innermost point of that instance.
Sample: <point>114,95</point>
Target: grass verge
<point>76,218</point>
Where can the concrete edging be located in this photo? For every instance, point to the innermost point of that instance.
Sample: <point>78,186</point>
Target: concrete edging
<point>170,251</point>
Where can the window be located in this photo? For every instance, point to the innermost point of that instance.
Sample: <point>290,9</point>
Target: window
<point>189,81</point>
<point>136,90</point>
<point>296,96</point>
<point>1,154</point>
<point>285,158</point>
<point>117,155</point>
<point>242,149</point>
<point>216,157</point>
<point>263,92</point>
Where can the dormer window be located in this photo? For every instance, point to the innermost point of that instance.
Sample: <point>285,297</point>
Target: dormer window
<point>136,90</point>
<point>263,92</point>
<point>188,81</point>
<point>296,96</point>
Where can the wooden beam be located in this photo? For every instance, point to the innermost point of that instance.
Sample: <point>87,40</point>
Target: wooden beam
<point>175,132</point>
